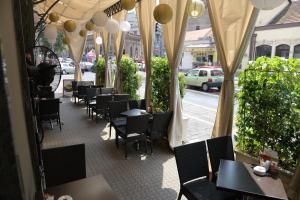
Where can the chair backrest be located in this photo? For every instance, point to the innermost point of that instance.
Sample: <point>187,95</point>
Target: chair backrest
<point>133,104</point>
<point>160,124</point>
<point>191,160</point>
<point>219,148</point>
<point>74,85</point>
<point>137,124</point>
<point>121,97</point>
<point>82,89</point>
<point>45,92</point>
<point>102,101</point>
<point>91,92</point>
<point>64,164</point>
<point>107,90</point>
<point>48,106</point>
<point>116,107</point>
<point>143,104</point>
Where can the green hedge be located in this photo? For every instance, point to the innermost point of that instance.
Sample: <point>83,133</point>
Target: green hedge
<point>100,66</point>
<point>161,83</point>
<point>268,112</point>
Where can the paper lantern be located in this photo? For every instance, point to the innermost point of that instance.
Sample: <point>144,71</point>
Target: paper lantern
<point>99,29</point>
<point>82,33</point>
<point>128,4</point>
<point>50,33</point>
<point>196,8</point>
<point>100,18</point>
<point>98,40</point>
<point>54,17</point>
<point>266,4</point>
<point>70,25</point>
<point>66,40</point>
<point>125,26</point>
<point>90,26</point>
<point>112,26</point>
<point>163,13</point>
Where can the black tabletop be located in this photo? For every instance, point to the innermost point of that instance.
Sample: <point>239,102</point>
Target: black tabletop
<point>238,177</point>
<point>134,112</point>
<point>92,188</point>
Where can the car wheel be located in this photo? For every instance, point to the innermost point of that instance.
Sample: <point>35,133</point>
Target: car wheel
<point>205,87</point>
<point>64,72</point>
<point>219,88</point>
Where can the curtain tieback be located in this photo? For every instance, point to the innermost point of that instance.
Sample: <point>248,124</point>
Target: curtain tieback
<point>229,78</point>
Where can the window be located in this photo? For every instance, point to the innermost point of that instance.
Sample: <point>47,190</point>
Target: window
<point>216,73</point>
<point>297,51</point>
<point>203,73</point>
<point>197,27</point>
<point>194,72</point>
<point>283,51</point>
<point>263,50</point>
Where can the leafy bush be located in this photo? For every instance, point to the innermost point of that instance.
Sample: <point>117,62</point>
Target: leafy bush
<point>160,77</point>
<point>131,81</point>
<point>268,113</point>
<point>100,66</point>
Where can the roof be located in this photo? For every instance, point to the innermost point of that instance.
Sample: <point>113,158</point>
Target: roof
<point>292,15</point>
<point>196,35</point>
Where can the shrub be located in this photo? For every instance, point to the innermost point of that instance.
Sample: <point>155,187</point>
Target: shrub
<point>100,66</point>
<point>131,81</point>
<point>160,77</point>
<point>268,113</point>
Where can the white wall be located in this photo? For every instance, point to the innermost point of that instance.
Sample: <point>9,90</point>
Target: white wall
<point>187,61</point>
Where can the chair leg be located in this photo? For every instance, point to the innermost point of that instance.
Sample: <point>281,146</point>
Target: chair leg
<point>146,149</point>
<point>59,123</point>
<point>92,114</point>
<point>109,130</point>
<point>96,117</point>
<point>117,140</point>
<point>126,149</point>
<point>151,146</point>
<point>179,195</point>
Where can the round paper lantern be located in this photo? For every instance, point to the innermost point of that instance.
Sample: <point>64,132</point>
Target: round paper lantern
<point>125,26</point>
<point>98,40</point>
<point>82,33</point>
<point>50,33</point>
<point>128,4</point>
<point>163,13</point>
<point>112,26</point>
<point>66,40</point>
<point>90,26</point>
<point>266,4</point>
<point>100,18</point>
<point>70,25</point>
<point>54,17</point>
<point>196,8</point>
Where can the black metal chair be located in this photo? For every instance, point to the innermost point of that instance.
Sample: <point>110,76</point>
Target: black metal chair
<point>81,94</point>
<point>115,118</point>
<point>133,104</point>
<point>64,164</point>
<point>143,104</point>
<point>48,109</point>
<point>107,90</point>
<point>101,107</point>
<point>45,92</point>
<point>192,166</point>
<point>159,127</point>
<point>134,131</point>
<point>121,97</point>
<point>91,94</point>
<point>219,148</point>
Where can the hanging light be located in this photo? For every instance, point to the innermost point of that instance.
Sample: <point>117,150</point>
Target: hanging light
<point>82,33</point>
<point>163,13</point>
<point>66,40</point>
<point>54,17</point>
<point>125,26</point>
<point>112,26</point>
<point>266,4</point>
<point>128,4</point>
<point>70,25</point>
<point>50,33</point>
<point>98,40</point>
<point>90,26</point>
<point>196,8</point>
<point>100,18</point>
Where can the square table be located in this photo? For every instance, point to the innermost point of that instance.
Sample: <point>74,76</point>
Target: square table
<point>134,112</point>
<point>238,177</point>
<point>92,188</point>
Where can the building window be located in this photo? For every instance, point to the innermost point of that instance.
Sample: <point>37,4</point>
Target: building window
<point>297,51</point>
<point>263,50</point>
<point>197,27</point>
<point>283,51</point>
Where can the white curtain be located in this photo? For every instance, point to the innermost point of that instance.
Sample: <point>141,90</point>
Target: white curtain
<point>106,46</point>
<point>97,51</point>
<point>174,34</point>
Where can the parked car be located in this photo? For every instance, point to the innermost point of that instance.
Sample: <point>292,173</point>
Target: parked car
<point>86,66</point>
<point>67,68</point>
<point>205,77</point>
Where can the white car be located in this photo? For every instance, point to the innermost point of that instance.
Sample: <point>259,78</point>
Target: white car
<point>67,68</point>
<point>86,66</point>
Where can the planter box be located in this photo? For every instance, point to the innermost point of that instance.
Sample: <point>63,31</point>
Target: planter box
<point>284,175</point>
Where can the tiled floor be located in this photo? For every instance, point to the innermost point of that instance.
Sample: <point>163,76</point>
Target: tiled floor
<point>140,177</point>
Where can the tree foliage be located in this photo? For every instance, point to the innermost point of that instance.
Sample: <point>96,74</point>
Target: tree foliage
<point>100,67</point>
<point>268,113</point>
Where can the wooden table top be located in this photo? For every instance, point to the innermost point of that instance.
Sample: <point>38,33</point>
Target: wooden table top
<point>238,177</point>
<point>92,188</point>
<point>134,112</point>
